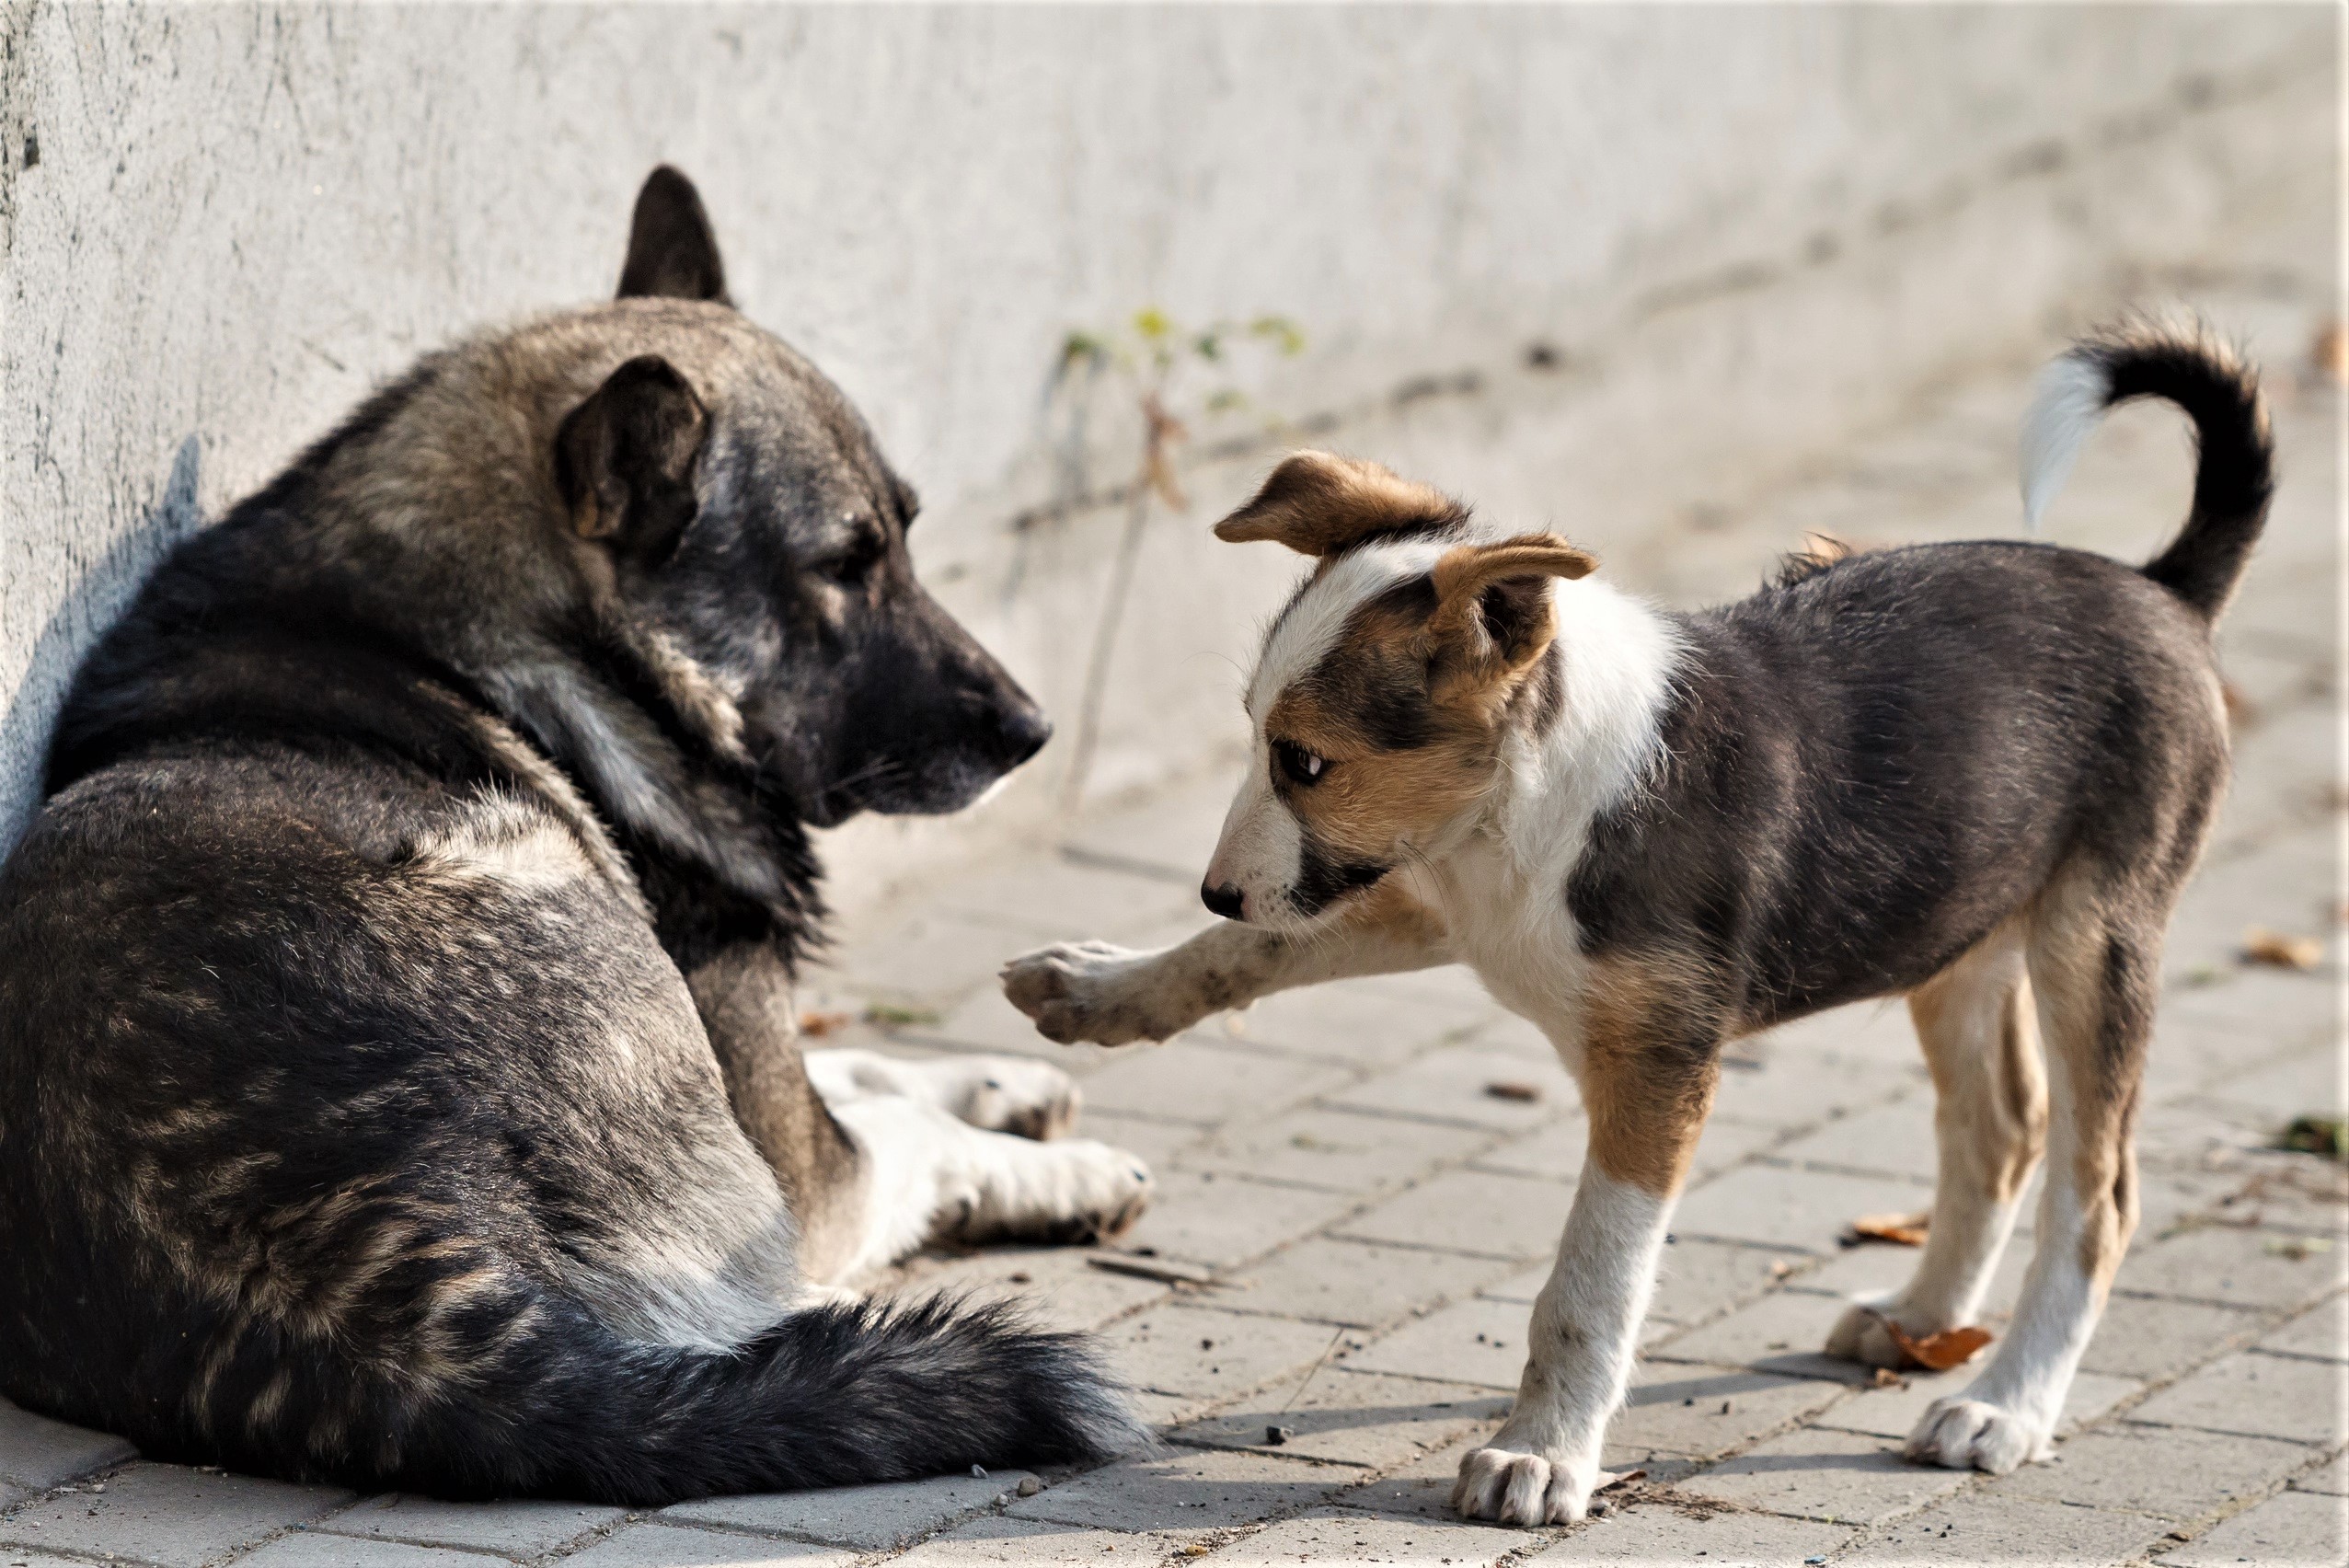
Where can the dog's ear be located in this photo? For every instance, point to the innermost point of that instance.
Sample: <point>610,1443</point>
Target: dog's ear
<point>1318,503</point>
<point>1492,617</point>
<point>672,252</point>
<point>624,460</point>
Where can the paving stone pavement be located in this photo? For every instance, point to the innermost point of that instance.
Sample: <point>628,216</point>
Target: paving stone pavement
<point>1376,1219</point>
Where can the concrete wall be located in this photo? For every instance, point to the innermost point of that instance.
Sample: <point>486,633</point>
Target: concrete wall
<point>1596,267</point>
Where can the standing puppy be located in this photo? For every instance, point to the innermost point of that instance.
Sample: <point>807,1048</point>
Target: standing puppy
<point>1976,774</point>
<point>398,1074</point>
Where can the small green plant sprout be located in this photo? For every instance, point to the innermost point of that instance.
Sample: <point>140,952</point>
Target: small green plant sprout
<point>1152,353</point>
<point>1159,360</point>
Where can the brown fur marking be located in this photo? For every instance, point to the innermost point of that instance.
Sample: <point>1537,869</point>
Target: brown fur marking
<point>1422,746</point>
<point>2098,1016</point>
<point>1318,504</point>
<point>1647,1084</point>
<point>746,1000</point>
<point>1991,1106</point>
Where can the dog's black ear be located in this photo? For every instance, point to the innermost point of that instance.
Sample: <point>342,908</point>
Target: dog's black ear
<point>672,252</point>
<point>624,460</point>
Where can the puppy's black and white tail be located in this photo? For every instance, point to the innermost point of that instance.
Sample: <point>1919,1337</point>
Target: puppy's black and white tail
<point>2235,476</point>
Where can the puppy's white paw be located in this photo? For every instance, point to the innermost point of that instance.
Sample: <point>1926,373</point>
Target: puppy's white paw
<point>1096,991</point>
<point>1518,1488</point>
<point>1958,1433</point>
<point>1860,1335</point>
<point>1012,1094</point>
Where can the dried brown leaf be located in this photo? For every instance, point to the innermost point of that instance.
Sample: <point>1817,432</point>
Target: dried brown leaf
<point>1509,1090</point>
<point>1908,1229</point>
<point>1938,1353</point>
<point>2330,353</point>
<point>2280,950</point>
<point>816,1025</point>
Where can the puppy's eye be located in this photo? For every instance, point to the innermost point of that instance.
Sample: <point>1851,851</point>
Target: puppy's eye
<point>1298,764</point>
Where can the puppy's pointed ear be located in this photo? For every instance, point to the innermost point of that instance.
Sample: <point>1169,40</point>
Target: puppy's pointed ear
<point>1318,503</point>
<point>625,460</point>
<point>673,253</point>
<point>1492,617</point>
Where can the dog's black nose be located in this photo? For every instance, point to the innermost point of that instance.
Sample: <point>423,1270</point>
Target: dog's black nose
<point>1224,901</point>
<point>1023,729</point>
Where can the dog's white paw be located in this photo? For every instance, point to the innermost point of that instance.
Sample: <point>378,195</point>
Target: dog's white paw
<point>1071,1190</point>
<point>1518,1488</point>
<point>1860,1335</point>
<point>1096,991</point>
<point>1104,1191</point>
<point>1012,1094</point>
<point>1958,1433</point>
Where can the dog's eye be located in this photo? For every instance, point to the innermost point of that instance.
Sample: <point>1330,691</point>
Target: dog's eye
<point>1300,765</point>
<point>860,556</point>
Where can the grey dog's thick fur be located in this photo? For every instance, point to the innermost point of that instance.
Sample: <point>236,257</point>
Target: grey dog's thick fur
<point>397,1081</point>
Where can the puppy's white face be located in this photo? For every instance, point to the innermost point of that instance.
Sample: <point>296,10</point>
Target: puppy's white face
<point>1381,698</point>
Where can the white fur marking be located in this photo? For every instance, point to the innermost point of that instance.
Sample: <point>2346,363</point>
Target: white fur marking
<point>1541,1466</point>
<point>2073,394</point>
<point>1310,628</point>
<point>928,1175</point>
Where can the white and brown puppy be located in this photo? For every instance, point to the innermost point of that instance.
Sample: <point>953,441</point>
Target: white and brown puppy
<point>1976,774</point>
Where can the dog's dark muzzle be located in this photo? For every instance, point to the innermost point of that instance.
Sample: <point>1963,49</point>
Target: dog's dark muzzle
<point>1020,732</point>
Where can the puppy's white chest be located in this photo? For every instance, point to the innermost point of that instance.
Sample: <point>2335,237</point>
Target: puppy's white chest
<point>1519,938</point>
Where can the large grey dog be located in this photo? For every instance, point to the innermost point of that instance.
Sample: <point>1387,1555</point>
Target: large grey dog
<point>397,1081</point>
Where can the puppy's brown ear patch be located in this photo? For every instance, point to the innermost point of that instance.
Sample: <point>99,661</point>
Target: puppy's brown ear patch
<point>1318,504</point>
<point>624,460</point>
<point>1492,616</point>
<point>672,251</point>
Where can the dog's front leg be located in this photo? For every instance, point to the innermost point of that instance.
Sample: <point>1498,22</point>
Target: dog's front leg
<point>747,1001</point>
<point>1114,996</point>
<point>1647,1105</point>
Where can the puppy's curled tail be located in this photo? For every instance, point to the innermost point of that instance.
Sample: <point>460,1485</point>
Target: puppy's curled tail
<point>2235,475</point>
<point>830,1395</point>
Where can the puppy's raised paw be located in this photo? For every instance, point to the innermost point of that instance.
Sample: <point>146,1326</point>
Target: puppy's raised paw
<point>1097,992</point>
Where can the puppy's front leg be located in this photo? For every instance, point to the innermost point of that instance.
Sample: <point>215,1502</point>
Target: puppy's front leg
<point>1113,995</point>
<point>1647,1105</point>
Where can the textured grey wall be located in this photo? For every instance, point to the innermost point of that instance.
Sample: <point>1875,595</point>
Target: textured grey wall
<point>1740,230</point>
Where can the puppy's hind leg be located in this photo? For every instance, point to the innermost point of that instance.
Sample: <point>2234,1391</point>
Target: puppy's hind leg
<point>2096,976</point>
<point>1001,1094</point>
<point>1981,1043</point>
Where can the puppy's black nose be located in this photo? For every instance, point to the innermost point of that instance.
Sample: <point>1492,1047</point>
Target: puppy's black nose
<point>1224,901</point>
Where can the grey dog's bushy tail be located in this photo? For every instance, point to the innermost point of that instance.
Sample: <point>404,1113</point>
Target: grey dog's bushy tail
<point>828,1396</point>
<point>2234,478</point>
